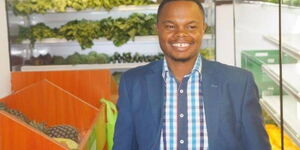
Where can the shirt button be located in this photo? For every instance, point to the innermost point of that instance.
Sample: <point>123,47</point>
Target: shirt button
<point>181,115</point>
<point>181,141</point>
<point>181,91</point>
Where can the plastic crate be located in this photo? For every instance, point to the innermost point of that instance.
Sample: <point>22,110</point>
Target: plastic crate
<point>252,60</point>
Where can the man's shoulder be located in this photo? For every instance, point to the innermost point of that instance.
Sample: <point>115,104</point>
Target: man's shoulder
<point>144,70</point>
<point>227,71</point>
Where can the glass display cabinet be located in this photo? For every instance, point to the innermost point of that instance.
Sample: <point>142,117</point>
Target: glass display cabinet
<point>267,43</point>
<point>67,36</point>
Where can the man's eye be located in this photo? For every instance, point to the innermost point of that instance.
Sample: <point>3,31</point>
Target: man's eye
<point>170,27</point>
<point>192,27</point>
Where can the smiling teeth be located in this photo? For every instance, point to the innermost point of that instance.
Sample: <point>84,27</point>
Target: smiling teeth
<point>181,44</point>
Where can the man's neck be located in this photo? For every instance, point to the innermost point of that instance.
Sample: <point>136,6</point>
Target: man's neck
<point>180,69</point>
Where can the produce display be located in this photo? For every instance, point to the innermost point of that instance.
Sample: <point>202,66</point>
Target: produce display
<point>136,58</point>
<point>207,53</point>
<point>102,58</point>
<point>119,30</point>
<point>25,7</point>
<point>92,58</point>
<point>66,132</point>
<point>275,139</point>
<point>37,32</point>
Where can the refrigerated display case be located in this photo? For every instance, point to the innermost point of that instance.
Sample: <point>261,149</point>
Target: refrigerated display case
<point>32,50</point>
<point>267,37</point>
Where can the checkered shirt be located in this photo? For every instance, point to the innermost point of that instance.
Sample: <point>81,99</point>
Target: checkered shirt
<point>192,103</point>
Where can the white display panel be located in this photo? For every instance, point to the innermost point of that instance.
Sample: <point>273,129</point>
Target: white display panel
<point>291,121</point>
<point>290,43</point>
<point>112,67</point>
<point>291,76</point>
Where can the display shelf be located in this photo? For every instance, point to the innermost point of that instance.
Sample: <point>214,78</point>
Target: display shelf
<point>290,75</point>
<point>19,130</point>
<point>112,67</point>
<point>142,39</point>
<point>48,103</point>
<point>80,83</point>
<point>290,43</point>
<point>271,104</point>
<point>56,19</point>
<point>51,18</point>
<point>147,45</point>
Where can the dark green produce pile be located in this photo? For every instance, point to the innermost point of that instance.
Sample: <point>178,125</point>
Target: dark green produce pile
<point>26,7</point>
<point>92,58</point>
<point>136,58</point>
<point>119,30</point>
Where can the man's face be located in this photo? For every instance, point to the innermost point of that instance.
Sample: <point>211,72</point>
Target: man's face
<point>180,30</point>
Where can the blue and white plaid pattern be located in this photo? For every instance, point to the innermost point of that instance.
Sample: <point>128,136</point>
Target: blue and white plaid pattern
<point>197,131</point>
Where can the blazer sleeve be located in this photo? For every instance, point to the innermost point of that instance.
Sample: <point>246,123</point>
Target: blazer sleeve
<point>124,129</point>
<point>254,136</point>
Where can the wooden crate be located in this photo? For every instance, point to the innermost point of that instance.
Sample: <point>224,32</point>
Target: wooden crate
<point>45,102</point>
<point>89,85</point>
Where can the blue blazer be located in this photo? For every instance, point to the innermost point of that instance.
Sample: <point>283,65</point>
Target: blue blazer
<point>233,113</point>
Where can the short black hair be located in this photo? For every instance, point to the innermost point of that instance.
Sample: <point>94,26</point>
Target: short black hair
<point>164,2</point>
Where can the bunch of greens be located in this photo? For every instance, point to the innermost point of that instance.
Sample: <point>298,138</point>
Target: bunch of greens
<point>25,7</point>
<point>84,32</point>
<point>136,25</point>
<point>119,30</point>
<point>37,32</point>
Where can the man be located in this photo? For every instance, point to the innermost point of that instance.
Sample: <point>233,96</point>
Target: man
<point>185,102</point>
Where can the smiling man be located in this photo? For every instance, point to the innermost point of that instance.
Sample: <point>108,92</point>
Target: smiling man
<point>185,102</point>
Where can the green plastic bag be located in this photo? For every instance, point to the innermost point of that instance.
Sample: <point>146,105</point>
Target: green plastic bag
<point>111,115</point>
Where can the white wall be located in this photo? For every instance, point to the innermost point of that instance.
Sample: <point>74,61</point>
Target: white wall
<point>252,23</point>
<point>224,34</point>
<point>5,84</point>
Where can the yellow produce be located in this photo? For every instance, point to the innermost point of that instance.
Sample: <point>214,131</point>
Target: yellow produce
<point>67,142</point>
<point>274,135</point>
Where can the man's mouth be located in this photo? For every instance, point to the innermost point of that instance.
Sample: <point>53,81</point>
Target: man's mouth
<point>181,45</point>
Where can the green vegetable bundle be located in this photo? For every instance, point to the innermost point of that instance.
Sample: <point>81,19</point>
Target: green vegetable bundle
<point>25,7</point>
<point>84,32</point>
<point>37,32</point>
<point>92,58</point>
<point>119,30</point>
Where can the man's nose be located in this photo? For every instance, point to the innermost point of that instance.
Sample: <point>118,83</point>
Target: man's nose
<point>181,32</point>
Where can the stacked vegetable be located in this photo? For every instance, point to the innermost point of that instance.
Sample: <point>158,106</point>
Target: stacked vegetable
<point>93,58</point>
<point>26,7</point>
<point>119,30</point>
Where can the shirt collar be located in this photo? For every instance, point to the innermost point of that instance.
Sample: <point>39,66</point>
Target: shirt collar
<point>197,67</point>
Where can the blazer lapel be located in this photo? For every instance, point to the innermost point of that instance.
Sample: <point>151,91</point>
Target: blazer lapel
<point>211,97</point>
<point>155,88</point>
<point>155,94</point>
